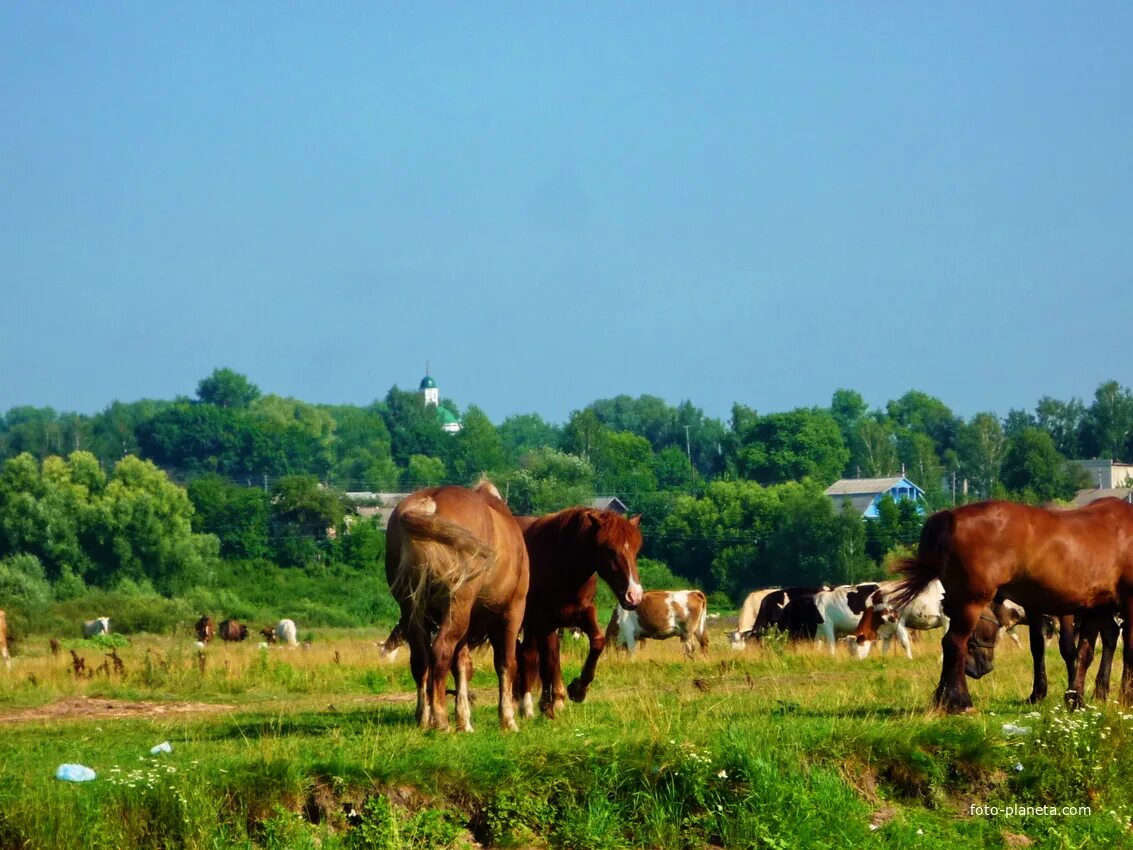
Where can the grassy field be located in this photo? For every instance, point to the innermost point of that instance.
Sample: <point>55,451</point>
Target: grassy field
<point>775,747</point>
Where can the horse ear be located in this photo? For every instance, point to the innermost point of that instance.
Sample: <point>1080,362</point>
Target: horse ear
<point>635,520</point>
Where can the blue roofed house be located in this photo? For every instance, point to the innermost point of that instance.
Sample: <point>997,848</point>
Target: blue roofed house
<point>865,494</point>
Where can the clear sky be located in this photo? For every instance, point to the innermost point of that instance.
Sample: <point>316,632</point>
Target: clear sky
<point>554,203</point>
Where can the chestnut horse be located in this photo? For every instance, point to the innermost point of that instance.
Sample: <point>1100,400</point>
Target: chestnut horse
<point>457,565</point>
<point>567,548</point>
<point>1050,562</point>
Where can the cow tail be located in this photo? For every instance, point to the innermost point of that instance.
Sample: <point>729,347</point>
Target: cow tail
<point>932,556</point>
<point>438,556</point>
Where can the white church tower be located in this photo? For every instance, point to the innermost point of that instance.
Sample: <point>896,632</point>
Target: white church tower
<point>431,395</point>
<point>429,388</point>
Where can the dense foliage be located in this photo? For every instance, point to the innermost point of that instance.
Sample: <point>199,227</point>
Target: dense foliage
<point>176,495</point>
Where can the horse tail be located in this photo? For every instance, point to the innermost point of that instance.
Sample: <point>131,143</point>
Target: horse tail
<point>932,557</point>
<point>438,556</point>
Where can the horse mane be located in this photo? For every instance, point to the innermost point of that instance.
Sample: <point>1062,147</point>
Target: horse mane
<point>614,529</point>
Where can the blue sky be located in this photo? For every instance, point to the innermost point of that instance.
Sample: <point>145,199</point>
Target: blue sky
<point>756,202</point>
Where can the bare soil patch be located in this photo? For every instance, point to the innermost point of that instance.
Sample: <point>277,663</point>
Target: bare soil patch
<point>95,708</point>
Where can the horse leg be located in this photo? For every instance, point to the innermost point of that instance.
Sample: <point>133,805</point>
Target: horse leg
<point>1109,632</point>
<point>952,692</point>
<point>1038,658</point>
<point>1067,647</point>
<point>462,674</point>
<point>505,638</point>
<point>527,673</point>
<point>1126,611</point>
<point>444,648</point>
<point>589,624</point>
<point>1087,636</point>
<point>550,671</point>
<point>419,667</point>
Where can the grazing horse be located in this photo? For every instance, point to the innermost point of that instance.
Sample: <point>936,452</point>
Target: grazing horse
<point>662,614</point>
<point>233,630</point>
<point>204,629</point>
<point>567,548</point>
<point>458,567</point>
<point>1050,562</point>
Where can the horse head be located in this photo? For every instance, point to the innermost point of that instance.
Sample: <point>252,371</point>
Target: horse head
<point>617,541</point>
<point>981,643</point>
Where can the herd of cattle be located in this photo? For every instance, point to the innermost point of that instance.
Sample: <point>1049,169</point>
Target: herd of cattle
<point>231,630</point>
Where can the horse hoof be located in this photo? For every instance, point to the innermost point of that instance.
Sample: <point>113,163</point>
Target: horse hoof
<point>1035,698</point>
<point>575,691</point>
<point>1073,700</point>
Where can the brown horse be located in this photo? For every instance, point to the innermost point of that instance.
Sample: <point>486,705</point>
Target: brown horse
<point>1050,562</point>
<point>567,548</point>
<point>996,617</point>
<point>457,565</point>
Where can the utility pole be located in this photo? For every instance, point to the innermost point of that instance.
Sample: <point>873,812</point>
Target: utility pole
<point>688,445</point>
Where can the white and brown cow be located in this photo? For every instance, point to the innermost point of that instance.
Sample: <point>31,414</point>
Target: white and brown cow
<point>662,614</point>
<point>881,621</point>
<point>4,639</point>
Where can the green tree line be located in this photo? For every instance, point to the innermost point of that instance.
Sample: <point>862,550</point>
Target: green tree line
<point>182,494</point>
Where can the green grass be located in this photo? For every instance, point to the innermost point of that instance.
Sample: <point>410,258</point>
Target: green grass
<point>759,748</point>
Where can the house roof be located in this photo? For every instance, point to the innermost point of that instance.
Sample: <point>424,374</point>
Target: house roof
<point>609,503</point>
<point>863,486</point>
<point>1084,497</point>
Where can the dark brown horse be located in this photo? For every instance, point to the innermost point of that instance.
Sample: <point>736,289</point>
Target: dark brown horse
<point>996,617</point>
<point>457,565</point>
<point>1050,562</point>
<point>204,628</point>
<point>567,549</point>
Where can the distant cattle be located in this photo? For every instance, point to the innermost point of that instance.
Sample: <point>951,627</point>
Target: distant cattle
<point>205,629</point>
<point>97,626</point>
<point>748,612</point>
<point>231,630</point>
<point>840,610</point>
<point>789,609</point>
<point>662,614</point>
<point>882,621</point>
<point>284,632</point>
<point>4,639</point>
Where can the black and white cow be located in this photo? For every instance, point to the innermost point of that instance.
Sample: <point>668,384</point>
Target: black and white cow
<point>841,609</point>
<point>789,609</point>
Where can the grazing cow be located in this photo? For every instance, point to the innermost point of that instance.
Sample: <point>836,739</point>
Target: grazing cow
<point>790,609</point>
<point>231,630</point>
<point>748,613</point>
<point>4,639</point>
<point>97,626</point>
<point>205,629</point>
<point>662,614</point>
<point>840,610</point>
<point>881,620</point>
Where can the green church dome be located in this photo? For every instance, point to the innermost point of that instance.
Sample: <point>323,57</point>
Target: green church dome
<point>427,383</point>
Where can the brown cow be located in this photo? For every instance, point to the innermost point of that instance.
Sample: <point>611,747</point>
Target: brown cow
<point>205,629</point>
<point>662,614</point>
<point>4,639</point>
<point>231,630</point>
